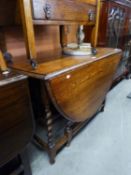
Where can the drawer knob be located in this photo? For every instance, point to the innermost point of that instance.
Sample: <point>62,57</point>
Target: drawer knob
<point>47,10</point>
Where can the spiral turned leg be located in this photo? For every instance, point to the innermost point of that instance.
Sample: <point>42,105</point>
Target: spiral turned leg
<point>51,144</point>
<point>69,133</point>
<point>51,147</point>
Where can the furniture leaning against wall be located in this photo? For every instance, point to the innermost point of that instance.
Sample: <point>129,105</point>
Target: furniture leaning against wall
<point>115,31</point>
<point>62,86</point>
<point>16,122</point>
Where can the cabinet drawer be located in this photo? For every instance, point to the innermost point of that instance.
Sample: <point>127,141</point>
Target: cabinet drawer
<point>16,125</point>
<point>68,10</point>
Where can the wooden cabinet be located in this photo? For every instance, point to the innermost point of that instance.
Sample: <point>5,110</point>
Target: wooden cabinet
<point>68,10</point>
<point>16,122</point>
<point>115,22</point>
<point>114,30</point>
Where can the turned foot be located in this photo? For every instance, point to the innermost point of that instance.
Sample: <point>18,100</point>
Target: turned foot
<point>52,153</point>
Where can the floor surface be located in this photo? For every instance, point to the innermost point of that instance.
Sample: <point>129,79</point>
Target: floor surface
<point>102,148</point>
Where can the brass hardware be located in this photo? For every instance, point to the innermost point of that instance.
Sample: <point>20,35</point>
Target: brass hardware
<point>47,11</point>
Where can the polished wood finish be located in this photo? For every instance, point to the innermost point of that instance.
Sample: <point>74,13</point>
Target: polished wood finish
<point>82,11</point>
<point>93,2</point>
<point>3,66</point>
<point>45,36</point>
<point>76,86</point>
<point>11,17</point>
<point>96,28</point>
<point>59,65</point>
<point>63,35</point>
<point>114,31</point>
<point>102,32</point>
<point>57,22</point>
<point>79,73</point>
<point>25,9</point>
<point>64,10</point>
<point>49,122</point>
<point>16,122</point>
<point>73,92</point>
<point>91,31</point>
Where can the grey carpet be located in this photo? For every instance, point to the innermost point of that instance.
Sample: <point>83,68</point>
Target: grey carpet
<point>102,148</point>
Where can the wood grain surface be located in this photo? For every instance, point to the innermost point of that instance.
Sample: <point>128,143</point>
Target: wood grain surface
<point>3,66</point>
<point>16,122</point>
<point>62,63</point>
<point>78,94</point>
<point>77,85</point>
<point>62,10</point>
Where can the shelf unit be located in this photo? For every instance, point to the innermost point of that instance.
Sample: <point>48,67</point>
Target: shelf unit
<point>74,78</point>
<point>28,20</point>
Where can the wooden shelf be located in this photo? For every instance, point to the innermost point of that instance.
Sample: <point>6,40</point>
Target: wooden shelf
<point>54,22</point>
